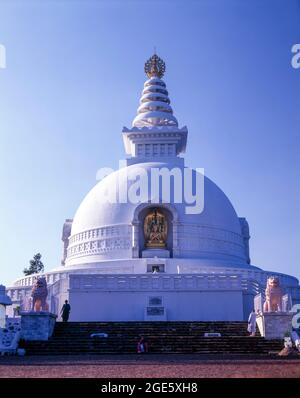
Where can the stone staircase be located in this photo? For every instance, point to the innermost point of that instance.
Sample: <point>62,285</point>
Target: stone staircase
<point>73,338</point>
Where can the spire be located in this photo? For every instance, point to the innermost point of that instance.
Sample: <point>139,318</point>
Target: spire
<point>155,66</point>
<point>154,109</point>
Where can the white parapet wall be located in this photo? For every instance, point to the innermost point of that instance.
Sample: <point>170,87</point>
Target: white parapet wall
<point>185,297</point>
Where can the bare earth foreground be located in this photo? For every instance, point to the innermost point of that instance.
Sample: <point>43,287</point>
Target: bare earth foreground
<point>151,366</point>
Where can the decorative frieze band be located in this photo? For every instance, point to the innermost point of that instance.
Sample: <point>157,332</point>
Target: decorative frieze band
<point>154,282</point>
<point>101,240</point>
<point>190,238</point>
<point>101,232</point>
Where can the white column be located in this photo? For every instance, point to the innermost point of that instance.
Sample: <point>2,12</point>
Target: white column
<point>175,239</point>
<point>135,239</point>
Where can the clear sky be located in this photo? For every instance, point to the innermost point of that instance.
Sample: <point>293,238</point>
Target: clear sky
<point>73,79</point>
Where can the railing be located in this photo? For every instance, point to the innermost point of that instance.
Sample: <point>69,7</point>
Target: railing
<point>258,303</point>
<point>286,303</point>
<point>155,282</point>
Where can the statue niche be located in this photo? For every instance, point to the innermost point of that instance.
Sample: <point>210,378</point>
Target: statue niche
<point>155,230</point>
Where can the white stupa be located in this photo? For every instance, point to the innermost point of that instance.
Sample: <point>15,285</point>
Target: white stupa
<point>155,259</point>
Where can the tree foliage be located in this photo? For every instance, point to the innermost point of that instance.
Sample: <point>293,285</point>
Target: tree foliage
<point>36,265</point>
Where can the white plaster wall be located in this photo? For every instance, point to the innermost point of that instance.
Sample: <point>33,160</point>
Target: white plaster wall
<point>180,306</point>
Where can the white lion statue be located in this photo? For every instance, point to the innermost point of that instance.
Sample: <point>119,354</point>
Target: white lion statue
<point>274,295</point>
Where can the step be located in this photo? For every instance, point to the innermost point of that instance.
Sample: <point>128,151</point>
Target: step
<point>163,337</point>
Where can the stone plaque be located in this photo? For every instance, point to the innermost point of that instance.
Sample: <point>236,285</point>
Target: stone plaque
<point>155,311</point>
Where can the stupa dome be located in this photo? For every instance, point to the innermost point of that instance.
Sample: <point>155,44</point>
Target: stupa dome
<point>103,230</point>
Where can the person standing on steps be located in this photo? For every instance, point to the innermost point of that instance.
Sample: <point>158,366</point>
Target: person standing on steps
<point>65,311</point>
<point>252,323</point>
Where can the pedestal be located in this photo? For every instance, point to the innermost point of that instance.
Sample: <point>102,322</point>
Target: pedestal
<point>37,325</point>
<point>159,253</point>
<point>274,325</point>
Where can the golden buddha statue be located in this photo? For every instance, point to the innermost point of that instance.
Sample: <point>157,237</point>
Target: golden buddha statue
<point>155,229</point>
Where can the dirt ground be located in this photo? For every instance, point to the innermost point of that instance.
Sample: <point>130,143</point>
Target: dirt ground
<point>153,366</point>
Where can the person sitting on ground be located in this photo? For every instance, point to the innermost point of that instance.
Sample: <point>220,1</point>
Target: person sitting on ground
<point>142,346</point>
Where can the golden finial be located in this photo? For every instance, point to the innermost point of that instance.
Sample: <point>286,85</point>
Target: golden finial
<point>155,67</point>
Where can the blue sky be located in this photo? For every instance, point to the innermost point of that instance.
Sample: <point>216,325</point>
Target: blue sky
<point>73,80</point>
